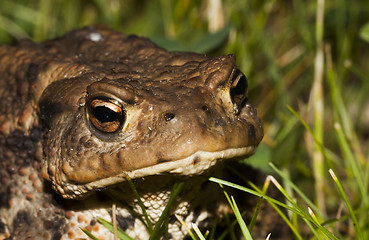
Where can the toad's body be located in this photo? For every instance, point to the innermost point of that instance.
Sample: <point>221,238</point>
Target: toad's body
<point>94,107</point>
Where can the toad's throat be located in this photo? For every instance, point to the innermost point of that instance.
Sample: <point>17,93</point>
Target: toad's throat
<point>194,164</point>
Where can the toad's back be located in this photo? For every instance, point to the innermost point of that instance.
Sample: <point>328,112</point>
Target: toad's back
<point>95,107</point>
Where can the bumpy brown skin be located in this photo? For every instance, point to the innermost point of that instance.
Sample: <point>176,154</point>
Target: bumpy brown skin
<point>178,110</point>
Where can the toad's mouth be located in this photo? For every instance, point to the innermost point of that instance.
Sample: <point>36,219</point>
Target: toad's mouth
<point>194,164</point>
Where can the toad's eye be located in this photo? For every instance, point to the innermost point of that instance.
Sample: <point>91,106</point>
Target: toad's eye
<point>106,114</point>
<point>238,89</point>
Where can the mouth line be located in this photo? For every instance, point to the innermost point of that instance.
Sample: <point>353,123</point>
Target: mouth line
<point>194,164</point>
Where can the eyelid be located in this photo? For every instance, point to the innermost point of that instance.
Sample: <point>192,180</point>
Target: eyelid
<point>110,103</point>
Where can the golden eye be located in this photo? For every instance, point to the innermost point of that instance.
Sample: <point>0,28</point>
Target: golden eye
<point>238,89</point>
<point>106,114</point>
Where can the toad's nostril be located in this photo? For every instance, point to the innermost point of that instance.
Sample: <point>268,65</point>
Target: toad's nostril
<point>169,116</point>
<point>205,108</point>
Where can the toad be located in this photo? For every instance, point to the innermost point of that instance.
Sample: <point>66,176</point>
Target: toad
<point>83,113</point>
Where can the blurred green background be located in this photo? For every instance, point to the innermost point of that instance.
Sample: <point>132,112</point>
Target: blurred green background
<point>316,66</point>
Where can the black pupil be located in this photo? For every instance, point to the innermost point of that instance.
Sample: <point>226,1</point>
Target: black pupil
<point>104,114</point>
<point>241,86</point>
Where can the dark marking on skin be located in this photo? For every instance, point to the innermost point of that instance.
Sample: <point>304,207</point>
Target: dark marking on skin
<point>57,236</point>
<point>172,219</point>
<point>26,162</point>
<point>160,161</point>
<point>159,156</point>
<point>206,222</point>
<point>196,160</point>
<point>124,222</point>
<point>4,200</point>
<point>140,126</point>
<point>252,132</point>
<point>23,146</point>
<point>49,110</point>
<point>103,163</point>
<point>15,141</point>
<point>32,72</point>
<point>56,224</point>
<point>48,224</point>
<point>28,144</point>
<point>219,123</point>
<point>87,143</point>
<point>22,219</point>
<point>11,169</point>
<point>35,134</point>
<point>73,138</point>
<point>119,160</point>
<point>79,150</point>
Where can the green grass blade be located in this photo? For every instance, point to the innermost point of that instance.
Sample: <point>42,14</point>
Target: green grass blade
<point>255,215</point>
<point>316,140</point>
<point>295,208</point>
<point>283,216</point>
<point>236,186</point>
<point>121,234</point>
<point>236,211</point>
<point>175,191</point>
<point>296,189</point>
<point>192,235</point>
<point>230,226</point>
<point>241,222</point>
<point>198,232</point>
<point>356,168</point>
<point>348,205</point>
<point>12,28</point>
<point>230,229</point>
<point>90,235</point>
<point>140,203</point>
